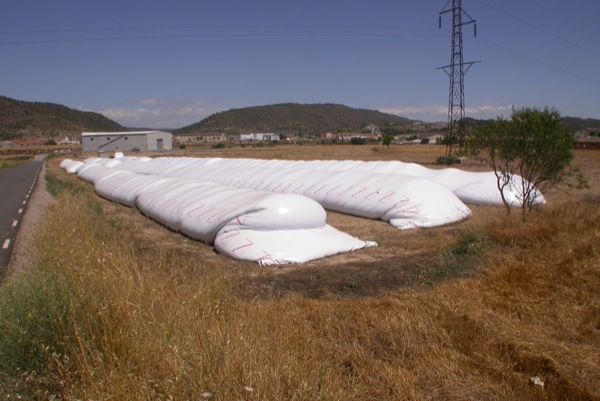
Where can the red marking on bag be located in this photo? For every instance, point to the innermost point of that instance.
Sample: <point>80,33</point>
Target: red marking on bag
<point>201,215</point>
<point>191,212</point>
<point>269,257</point>
<point>219,213</point>
<point>242,248</point>
<point>241,219</point>
<point>387,197</point>
<point>355,195</point>
<point>223,239</point>
<point>368,197</point>
<point>415,225</point>
<point>332,189</point>
<point>318,190</point>
<point>401,203</point>
<point>168,204</point>
<point>411,211</point>
<point>346,190</point>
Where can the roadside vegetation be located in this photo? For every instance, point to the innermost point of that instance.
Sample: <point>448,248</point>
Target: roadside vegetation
<point>497,308</point>
<point>14,161</point>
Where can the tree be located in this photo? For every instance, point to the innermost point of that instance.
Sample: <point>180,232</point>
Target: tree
<point>387,140</point>
<point>533,143</point>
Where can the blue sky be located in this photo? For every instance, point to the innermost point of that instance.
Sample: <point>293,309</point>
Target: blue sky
<point>167,64</point>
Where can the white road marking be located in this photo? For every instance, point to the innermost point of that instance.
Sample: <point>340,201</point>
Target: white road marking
<point>24,202</point>
<point>6,244</point>
<point>15,223</point>
<point>20,211</point>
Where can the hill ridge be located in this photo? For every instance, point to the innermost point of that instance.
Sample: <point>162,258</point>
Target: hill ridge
<point>20,118</point>
<point>50,120</point>
<point>303,118</point>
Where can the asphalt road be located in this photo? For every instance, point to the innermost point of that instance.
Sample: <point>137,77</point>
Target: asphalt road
<point>16,186</point>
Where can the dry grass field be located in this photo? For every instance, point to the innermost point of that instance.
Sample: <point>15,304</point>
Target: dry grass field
<point>116,307</point>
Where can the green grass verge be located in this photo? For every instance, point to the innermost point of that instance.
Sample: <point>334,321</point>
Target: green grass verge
<point>14,161</point>
<point>459,259</point>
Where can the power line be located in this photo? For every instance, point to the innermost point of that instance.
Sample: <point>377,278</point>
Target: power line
<point>351,31</point>
<point>187,27</point>
<point>545,31</point>
<point>215,35</point>
<point>536,61</point>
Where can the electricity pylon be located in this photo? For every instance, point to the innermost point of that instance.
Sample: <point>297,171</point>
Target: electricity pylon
<point>456,70</point>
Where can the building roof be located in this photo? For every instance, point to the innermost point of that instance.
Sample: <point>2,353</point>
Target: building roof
<point>122,133</point>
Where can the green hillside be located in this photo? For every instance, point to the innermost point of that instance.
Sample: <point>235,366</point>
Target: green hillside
<point>579,124</point>
<point>292,118</point>
<point>34,119</point>
<point>49,120</point>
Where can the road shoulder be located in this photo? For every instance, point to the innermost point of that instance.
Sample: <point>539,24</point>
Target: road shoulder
<point>25,250</point>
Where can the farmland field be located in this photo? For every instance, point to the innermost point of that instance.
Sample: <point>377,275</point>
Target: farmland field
<point>115,306</point>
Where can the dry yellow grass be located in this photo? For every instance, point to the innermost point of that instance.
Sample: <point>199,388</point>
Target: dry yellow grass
<point>143,314</point>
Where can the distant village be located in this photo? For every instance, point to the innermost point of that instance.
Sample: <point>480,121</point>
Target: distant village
<point>419,133</point>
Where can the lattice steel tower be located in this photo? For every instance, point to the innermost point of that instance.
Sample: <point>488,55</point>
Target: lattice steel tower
<point>456,70</point>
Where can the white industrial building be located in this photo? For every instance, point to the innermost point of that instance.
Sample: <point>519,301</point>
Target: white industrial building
<point>126,141</point>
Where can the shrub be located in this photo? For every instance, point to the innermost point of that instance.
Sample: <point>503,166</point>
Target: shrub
<point>534,144</point>
<point>448,160</point>
<point>357,141</point>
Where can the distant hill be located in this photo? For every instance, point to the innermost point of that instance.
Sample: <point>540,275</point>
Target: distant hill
<point>49,120</point>
<point>293,118</point>
<point>580,124</point>
<point>34,119</point>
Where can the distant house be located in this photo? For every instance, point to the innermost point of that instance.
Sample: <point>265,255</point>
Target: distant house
<point>588,142</point>
<point>126,141</point>
<point>67,140</point>
<point>192,139</point>
<point>348,136</point>
<point>255,137</point>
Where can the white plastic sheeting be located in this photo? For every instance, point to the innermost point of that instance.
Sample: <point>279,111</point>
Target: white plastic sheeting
<point>271,211</point>
<point>402,200</point>
<point>470,187</point>
<point>242,224</point>
<point>70,165</point>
